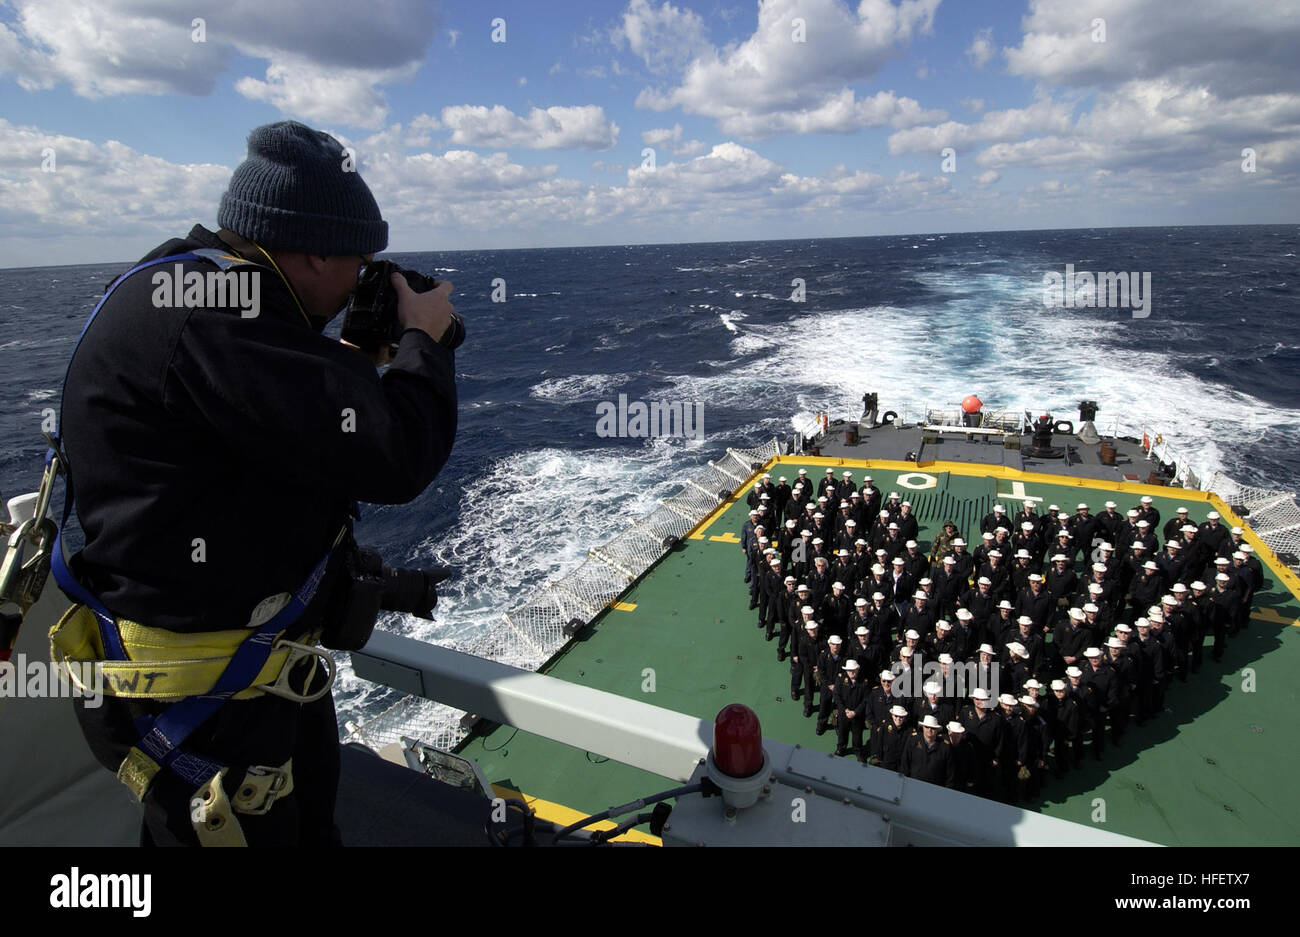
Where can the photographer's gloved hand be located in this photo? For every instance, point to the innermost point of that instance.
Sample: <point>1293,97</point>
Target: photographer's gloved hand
<point>430,312</point>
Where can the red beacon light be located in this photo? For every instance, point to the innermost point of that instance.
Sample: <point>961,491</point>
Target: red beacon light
<point>737,762</point>
<point>971,404</point>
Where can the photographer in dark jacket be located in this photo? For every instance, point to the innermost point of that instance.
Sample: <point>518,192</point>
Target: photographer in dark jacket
<point>217,445</point>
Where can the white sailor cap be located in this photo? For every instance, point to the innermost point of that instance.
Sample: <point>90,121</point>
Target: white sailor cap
<point>918,594</point>
<point>882,552</point>
<point>789,579</point>
<point>1053,507</point>
<point>1178,587</point>
<point>1005,603</point>
<point>1060,558</point>
<point>898,561</point>
<point>987,535</point>
<point>1092,652</point>
<point>884,513</point>
<point>998,509</point>
<point>1058,685</point>
<point>1111,504</point>
<point>878,596</point>
<point>807,609</point>
<point>1224,576</point>
<point>850,523</point>
<point>782,478</point>
<point>1187,529</point>
<point>955,728</point>
<point>1090,607</point>
<point>1098,567</point>
<point>842,552</point>
<point>1064,533</point>
<point>866,478</point>
<point>1006,699</point>
<point>958,542</point>
<point>1034,577</point>
<point>1077,614</point>
<point>1115,644</point>
<point>1237,530</point>
<point>810,626</point>
<point>979,693</point>
<point>837,585</point>
<point>893,494</point>
<point>859,542</point>
<point>1138,545</point>
<point>859,601</point>
<point>835,639</point>
<point>1095,588</point>
<point>1141,623</point>
<point>997,553</point>
<point>790,523</point>
<point>1027,525</point>
<point>1132,513</point>
<point>877,568</point>
<point>987,649</point>
<point>893,526</point>
<point>1029,701</point>
<point>850,665</point>
<point>929,722</point>
<point>949,559</point>
<point>764,497</point>
<point>906,652</point>
<point>913,634</point>
<point>1024,620</point>
<point>776,563</point>
<point>906,504</point>
<point>964,614</point>
<point>805,533</point>
<point>1181,511</point>
<point>848,474</point>
<point>932,689</point>
<point>898,711</point>
<point>830,471</point>
<point>844,503</point>
<point>924,581</point>
<point>911,545</point>
<point>1022,554</point>
<point>943,625</point>
<point>1169,599</point>
<point>1074,671</point>
<point>854,494</point>
<point>1156,613</point>
<point>1146,499</point>
<point>1123,628</point>
<point>1107,547</point>
<point>1213,516</point>
<point>1150,564</point>
<point>1247,548</point>
<point>817,540</point>
<point>889,675</point>
<point>803,471</point>
<point>753,513</point>
<point>945,658</point>
<point>1015,647</point>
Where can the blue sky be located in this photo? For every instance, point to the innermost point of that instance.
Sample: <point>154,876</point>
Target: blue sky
<point>788,118</point>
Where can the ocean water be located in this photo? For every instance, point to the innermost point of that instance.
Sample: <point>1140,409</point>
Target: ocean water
<point>922,319</point>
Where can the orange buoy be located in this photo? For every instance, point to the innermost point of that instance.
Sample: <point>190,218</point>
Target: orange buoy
<point>971,404</point>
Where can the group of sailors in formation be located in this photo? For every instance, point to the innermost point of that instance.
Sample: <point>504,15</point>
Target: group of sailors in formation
<point>977,668</point>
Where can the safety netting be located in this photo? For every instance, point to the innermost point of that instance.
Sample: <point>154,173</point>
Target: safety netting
<point>532,634</point>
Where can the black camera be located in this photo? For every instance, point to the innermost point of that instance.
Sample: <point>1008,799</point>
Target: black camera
<point>371,318</point>
<point>368,586</point>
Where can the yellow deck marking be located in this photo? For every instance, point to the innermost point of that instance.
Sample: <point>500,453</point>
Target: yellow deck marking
<point>623,606</point>
<point>563,816</point>
<point>1271,615</point>
<point>728,537</point>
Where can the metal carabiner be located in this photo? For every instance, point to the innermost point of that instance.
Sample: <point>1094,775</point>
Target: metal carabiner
<point>281,687</point>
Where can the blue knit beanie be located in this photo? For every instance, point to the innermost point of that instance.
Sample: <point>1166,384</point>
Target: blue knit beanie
<point>293,193</point>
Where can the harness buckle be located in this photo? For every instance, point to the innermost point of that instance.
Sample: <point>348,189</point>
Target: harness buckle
<point>262,786</point>
<point>299,652</point>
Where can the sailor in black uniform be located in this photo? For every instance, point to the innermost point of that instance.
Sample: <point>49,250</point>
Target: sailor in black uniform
<point>984,730</point>
<point>927,757</point>
<point>887,744</point>
<point>851,694</point>
<point>1067,731</point>
<point>830,664</point>
<point>1173,527</point>
<point>1148,512</point>
<point>1083,528</point>
<point>963,562</point>
<point>998,518</point>
<point>865,647</point>
<point>1100,690</point>
<point>879,701</point>
<point>1126,684</point>
<point>908,528</point>
<point>963,758</point>
<point>802,665</point>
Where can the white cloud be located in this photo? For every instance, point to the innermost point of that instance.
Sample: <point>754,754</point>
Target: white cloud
<point>672,138</point>
<point>1230,48</point>
<point>988,177</point>
<point>973,104</point>
<point>584,127</point>
<point>981,48</point>
<point>325,57</point>
<point>771,83</point>
<point>665,37</point>
<point>1042,115</point>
